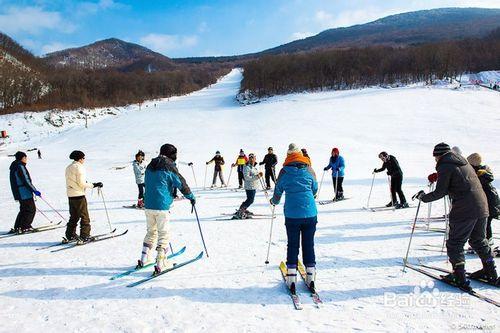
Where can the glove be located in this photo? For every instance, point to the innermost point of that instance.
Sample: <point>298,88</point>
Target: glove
<point>419,195</point>
<point>433,177</point>
<point>261,174</point>
<point>98,184</point>
<point>325,168</point>
<point>190,163</point>
<point>206,163</point>
<point>375,170</point>
<point>272,202</point>
<point>193,201</point>
<point>37,193</point>
<point>232,165</point>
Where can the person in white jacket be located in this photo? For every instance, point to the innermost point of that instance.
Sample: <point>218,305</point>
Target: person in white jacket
<point>76,184</point>
<point>139,171</point>
<point>252,179</point>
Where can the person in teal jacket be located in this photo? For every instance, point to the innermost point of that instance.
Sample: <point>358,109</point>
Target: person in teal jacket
<point>298,181</point>
<point>337,165</point>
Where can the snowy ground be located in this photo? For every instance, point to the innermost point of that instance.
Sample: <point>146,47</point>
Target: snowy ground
<point>359,253</point>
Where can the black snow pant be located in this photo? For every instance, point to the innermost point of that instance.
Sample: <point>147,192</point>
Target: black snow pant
<point>27,211</point>
<point>240,177</point>
<point>295,230</point>
<point>489,231</point>
<point>396,183</point>
<point>218,173</point>
<point>141,191</point>
<point>270,175</point>
<point>337,184</point>
<point>471,229</point>
<point>250,199</point>
<point>78,211</point>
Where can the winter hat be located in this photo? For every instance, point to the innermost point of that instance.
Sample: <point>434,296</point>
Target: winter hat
<point>251,155</point>
<point>335,151</point>
<point>19,155</point>
<point>217,152</point>
<point>292,148</point>
<point>457,150</point>
<point>76,155</point>
<point>440,149</point>
<point>140,153</point>
<point>383,154</point>
<point>270,148</point>
<point>475,159</point>
<point>169,150</point>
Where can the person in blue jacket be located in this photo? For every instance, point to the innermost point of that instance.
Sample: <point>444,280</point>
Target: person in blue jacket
<point>23,190</point>
<point>161,178</point>
<point>337,165</point>
<point>298,181</point>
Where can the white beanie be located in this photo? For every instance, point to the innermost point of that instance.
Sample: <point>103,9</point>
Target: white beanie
<point>292,148</point>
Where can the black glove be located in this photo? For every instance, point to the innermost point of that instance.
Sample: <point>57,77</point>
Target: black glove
<point>375,170</point>
<point>190,163</point>
<point>99,185</point>
<point>271,202</point>
<point>193,201</point>
<point>419,195</point>
<point>325,168</point>
<point>206,163</point>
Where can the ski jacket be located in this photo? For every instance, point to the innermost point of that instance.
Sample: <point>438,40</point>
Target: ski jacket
<point>20,181</point>
<point>76,182</point>
<point>219,162</point>
<point>269,161</point>
<point>139,171</point>
<point>298,181</point>
<point>241,161</point>
<point>458,180</point>
<point>392,166</point>
<point>486,178</point>
<point>337,165</point>
<point>162,177</point>
<point>251,176</point>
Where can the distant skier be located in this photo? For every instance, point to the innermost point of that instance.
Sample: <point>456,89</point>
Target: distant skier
<point>252,183</point>
<point>396,174</point>
<point>76,185</point>
<point>23,190</point>
<point>139,171</point>
<point>306,155</point>
<point>337,165</point>
<point>298,181</point>
<point>161,178</point>
<point>269,162</point>
<point>468,215</point>
<point>241,161</point>
<point>486,178</point>
<point>219,162</point>
<point>39,153</point>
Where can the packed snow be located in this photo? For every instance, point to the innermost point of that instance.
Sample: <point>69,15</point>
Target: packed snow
<point>359,252</point>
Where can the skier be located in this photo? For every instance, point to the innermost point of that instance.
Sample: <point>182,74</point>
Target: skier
<point>306,155</point>
<point>396,174</point>
<point>337,165</point>
<point>486,178</point>
<point>22,190</point>
<point>252,179</point>
<point>269,162</point>
<point>161,178</point>
<point>241,161</point>
<point>76,184</point>
<point>468,215</point>
<point>219,162</point>
<point>139,170</point>
<point>298,181</point>
<point>39,154</point>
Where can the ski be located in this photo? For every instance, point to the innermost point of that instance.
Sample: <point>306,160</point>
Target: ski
<point>294,296</point>
<point>327,202</point>
<point>134,207</point>
<point>170,256</point>
<point>65,241</point>
<point>247,218</point>
<point>93,239</point>
<point>469,291</point>
<point>314,295</point>
<point>260,215</point>
<point>176,266</point>
<point>42,228</point>
<point>444,270</point>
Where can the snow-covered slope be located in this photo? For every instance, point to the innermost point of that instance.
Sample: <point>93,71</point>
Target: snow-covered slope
<point>358,252</point>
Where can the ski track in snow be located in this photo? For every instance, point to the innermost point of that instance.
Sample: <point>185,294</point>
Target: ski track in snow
<point>359,252</point>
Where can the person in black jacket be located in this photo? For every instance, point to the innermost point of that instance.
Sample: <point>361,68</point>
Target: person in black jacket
<point>219,162</point>
<point>469,211</point>
<point>23,190</point>
<point>394,171</point>
<point>269,162</point>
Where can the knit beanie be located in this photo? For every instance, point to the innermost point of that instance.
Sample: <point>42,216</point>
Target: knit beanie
<point>292,148</point>
<point>440,149</point>
<point>169,150</point>
<point>19,155</point>
<point>457,150</point>
<point>335,151</point>
<point>76,155</point>
<point>474,159</point>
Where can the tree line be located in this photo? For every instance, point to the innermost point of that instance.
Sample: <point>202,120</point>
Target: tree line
<point>339,69</point>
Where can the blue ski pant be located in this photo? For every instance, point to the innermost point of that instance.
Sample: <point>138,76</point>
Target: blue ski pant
<point>295,229</point>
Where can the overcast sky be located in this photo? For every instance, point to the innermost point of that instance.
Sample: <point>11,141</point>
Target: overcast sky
<point>194,28</point>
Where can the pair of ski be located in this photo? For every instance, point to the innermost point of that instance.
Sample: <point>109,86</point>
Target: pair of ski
<point>230,217</point>
<point>327,202</point>
<point>293,294</point>
<point>42,228</point>
<point>385,208</point>
<point>427,270</point>
<point>70,244</point>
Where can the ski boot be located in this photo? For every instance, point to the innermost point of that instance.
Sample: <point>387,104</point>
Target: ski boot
<point>140,203</point>
<point>291,279</point>
<point>13,231</point>
<point>240,215</point>
<point>488,272</point>
<point>162,262</point>
<point>248,213</point>
<point>390,204</point>
<point>402,205</point>
<point>144,255</point>
<point>223,185</point>
<point>84,239</point>
<point>139,265</point>
<point>26,230</point>
<point>458,277</point>
<point>310,278</point>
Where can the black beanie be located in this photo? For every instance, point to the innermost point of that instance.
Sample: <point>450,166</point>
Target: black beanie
<point>76,155</point>
<point>169,150</point>
<point>440,149</point>
<point>19,155</point>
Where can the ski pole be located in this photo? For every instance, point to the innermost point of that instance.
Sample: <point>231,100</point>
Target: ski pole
<point>270,236</point>
<point>194,175</point>
<point>53,209</point>
<point>390,191</point>
<point>199,227</point>
<point>336,185</point>
<point>265,193</point>
<point>447,224</point>
<point>171,248</point>
<point>229,178</point>
<point>429,207</point>
<point>44,215</point>
<point>205,179</point>
<point>99,191</point>
<point>320,183</point>
<point>370,194</point>
<point>411,237</point>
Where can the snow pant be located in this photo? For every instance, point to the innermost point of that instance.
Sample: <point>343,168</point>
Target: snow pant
<point>158,228</point>
<point>141,191</point>
<point>78,211</point>
<point>396,183</point>
<point>471,229</point>
<point>489,231</point>
<point>250,199</point>
<point>27,211</point>
<point>240,177</point>
<point>338,188</point>
<point>221,177</point>
<point>270,175</point>
<point>295,228</point>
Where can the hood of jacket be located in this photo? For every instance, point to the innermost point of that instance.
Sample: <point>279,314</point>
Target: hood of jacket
<point>453,159</point>
<point>160,163</point>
